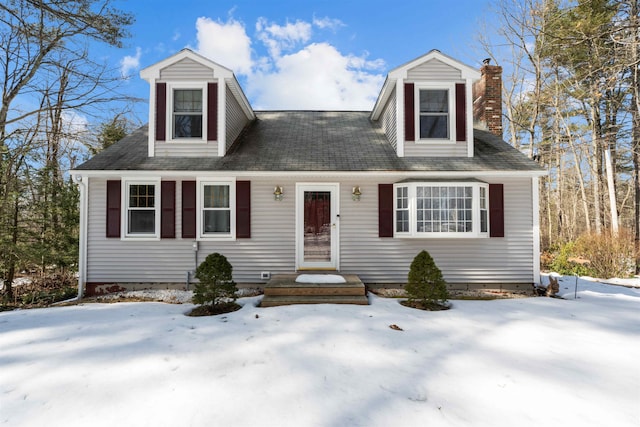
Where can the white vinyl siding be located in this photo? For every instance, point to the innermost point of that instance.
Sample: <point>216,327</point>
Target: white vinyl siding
<point>434,70</point>
<point>389,120</point>
<point>187,69</point>
<point>186,149</point>
<point>459,149</point>
<point>236,119</point>
<point>271,247</point>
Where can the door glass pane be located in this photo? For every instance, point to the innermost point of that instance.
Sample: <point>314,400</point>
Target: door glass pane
<point>317,226</point>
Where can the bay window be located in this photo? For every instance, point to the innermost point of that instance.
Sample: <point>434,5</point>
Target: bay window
<point>441,209</point>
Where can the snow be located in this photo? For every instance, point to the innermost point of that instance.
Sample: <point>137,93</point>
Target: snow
<point>320,278</point>
<point>520,362</point>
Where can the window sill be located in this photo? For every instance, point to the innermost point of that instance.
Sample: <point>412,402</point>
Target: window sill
<point>436,142</point>
<point>188,141</point>
<point>208,238</point>
<point>442,236</point>
<point>140,238</point>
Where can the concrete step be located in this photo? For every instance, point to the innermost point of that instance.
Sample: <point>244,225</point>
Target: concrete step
<point>274,301</point>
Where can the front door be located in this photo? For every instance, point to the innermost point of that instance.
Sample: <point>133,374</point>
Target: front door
<point>317,226</point>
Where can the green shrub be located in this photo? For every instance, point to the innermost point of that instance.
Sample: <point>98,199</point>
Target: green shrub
<point>425,284</point>
<point>602,255</point>
<point>565,263</point>
<point>216,285</point>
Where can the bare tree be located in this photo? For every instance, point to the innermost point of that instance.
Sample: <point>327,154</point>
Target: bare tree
<point>41,39</point>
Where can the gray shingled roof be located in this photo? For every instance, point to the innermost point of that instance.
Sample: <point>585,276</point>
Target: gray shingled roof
<point>311,141</point>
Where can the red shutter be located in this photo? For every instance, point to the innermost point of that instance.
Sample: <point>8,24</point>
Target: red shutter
<point>461,113</point>
<point>385,210</point>
<point>409,113</point>
<point>113,208</point>
<point>168,209</point>
<point>161,111</point>
<point>243,209</point>
<point>496,210</point>
<point>188,209</point>
<point>212,112</point>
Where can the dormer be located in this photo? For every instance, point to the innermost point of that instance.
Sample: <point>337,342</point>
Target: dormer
<point>426,107</point>
<point>196,107</point>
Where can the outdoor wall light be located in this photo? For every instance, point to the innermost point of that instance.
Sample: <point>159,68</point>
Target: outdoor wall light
<point>278,193</point>
<point>356,193</point>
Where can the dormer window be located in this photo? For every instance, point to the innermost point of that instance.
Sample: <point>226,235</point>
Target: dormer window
<point>435,112</point>
<point>187,113</point>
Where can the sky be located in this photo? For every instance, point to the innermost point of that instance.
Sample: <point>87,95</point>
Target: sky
<point>320,55</point>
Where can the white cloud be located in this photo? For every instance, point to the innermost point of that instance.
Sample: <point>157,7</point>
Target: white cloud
<point>295,72</point>
<point>130,63</point>
<point>326,22</point>
<point>226,43</point>
<point>317,77</point>
<point>282,37</point>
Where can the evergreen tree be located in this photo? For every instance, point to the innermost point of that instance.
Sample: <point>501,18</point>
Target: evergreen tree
<point>216,281</point>
<point>425,284</point>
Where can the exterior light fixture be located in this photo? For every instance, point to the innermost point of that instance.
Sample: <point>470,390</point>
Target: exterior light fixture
<point>356,193</point>
<point>278,193</point>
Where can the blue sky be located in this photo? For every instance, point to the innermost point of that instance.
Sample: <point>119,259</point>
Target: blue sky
<point>299,54</point>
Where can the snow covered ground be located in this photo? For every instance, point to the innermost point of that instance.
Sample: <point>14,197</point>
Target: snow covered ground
<point>520,362</point>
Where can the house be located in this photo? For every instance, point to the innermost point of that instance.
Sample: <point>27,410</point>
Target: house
<point>288,191</point>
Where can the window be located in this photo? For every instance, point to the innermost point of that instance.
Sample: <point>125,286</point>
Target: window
<point>434,114</point>
<point>402,209</point>
<point>484,219</point>
<point>187,113</point>
<point>141,209</point>
<point>217,209</point>
<point>435,108</point>
<point>441,209</point>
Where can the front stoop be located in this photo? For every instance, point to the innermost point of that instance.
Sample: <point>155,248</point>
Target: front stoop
<point>283,289</point>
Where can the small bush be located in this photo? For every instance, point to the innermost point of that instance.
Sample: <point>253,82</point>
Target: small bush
<point>425,284</point>
<point>565,262</point>
<point>602,255</point>
<point>216,284</point>
<point>42,290</point>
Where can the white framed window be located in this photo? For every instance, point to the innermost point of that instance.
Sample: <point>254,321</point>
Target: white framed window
<point>216,209</point>
<point>141,201</point>
<point>402,209</point>
<point>435,112</point>
<point>484,212</point>
<point>187,112</point>
<point>441,209</point>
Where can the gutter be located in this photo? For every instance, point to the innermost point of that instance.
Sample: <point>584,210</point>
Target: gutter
<point>83,186</point>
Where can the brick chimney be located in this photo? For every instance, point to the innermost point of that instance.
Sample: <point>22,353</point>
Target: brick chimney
<point>487,98</point>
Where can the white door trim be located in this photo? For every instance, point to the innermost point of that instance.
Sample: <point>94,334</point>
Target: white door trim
<point>334,189</point>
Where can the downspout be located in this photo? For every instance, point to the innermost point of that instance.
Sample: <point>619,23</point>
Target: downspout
<point>83,183</point>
